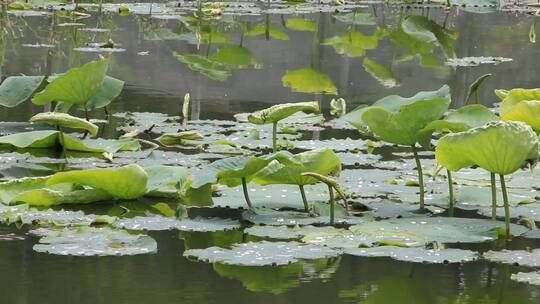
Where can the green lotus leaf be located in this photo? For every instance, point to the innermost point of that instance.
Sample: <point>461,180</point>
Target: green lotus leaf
<point>128,182</point>
<point>498,147</point>
<point>383,74</point>
<point>76,86</point>
<point>10,189</point>
<point>417,255</point>
<point>462,119</point>
<point>209,68</point>
<point>301,24</point>
<point>397,119</point>
<point>64,120</point>
<point>321,161</point>
<point>47,197</point>
<point>48,139</point>
<point>230,171</point>
<point>92,241</point>
<point>357,18</point>
<point>281,111</point>
<point>16,89</point>
<point>308,80</point>
<point>429,31</point>
<point>355,44</point>
<point>236,56</point>
<point>414,47</point>
<point>178,139</point>
<point>109,90</point>
<point>521,105</point>
<point>267,29</point>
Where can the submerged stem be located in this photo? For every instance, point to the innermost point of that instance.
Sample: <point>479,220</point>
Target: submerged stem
<point>304,198</point>
<point>332,202</point>
<point>452,200</point>
<point>506,206</point>
<point>274,137</point>
<point>420,176</point>
<point>246,194</point>
<point>493,197</point>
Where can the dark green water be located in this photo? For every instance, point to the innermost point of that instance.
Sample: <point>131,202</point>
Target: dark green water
<point>157,82</point>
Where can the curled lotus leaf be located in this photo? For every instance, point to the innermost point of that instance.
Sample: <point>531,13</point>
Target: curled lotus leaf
<point>278,112</point>
<point>397,119</point>
<point>76,86</point>
<point>498,147</point>
<point>262,253</point>
<point>91,241</point>
<point>321,161</point>
<point>179,139</point>
<point>64,120</point>
<point>47,197</point>
<point>128,182</point>
<point>417,255</point>
<point>521,105</point>
<point>464,118</point>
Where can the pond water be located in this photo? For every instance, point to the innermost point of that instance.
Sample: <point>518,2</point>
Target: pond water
<point>367,61</point>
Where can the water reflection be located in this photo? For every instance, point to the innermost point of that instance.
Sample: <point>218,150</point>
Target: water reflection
<point>238,62</point>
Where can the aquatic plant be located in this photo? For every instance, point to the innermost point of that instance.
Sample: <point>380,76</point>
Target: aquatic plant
<point>332,185</point>
<point>462,119</point>
<point>323,162</point>
<point>278,112</point>
<point>498,147</point>
<point>521,105</point>
<point>400,120</point>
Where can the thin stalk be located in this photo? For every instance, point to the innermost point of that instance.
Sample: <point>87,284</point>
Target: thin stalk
<point>493,197</point>
<point>332,202</point>
<point>304,199</point>
<point>274,137</point>
<point>420,176</point>
<point>506,206</point>
<point>450,192</point>
<point>62,143</point>
<point>246,194</point>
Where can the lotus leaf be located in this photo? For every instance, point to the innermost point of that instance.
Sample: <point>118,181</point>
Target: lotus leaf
<point>417,255</point>
<point>16,89</point>
<point>429,31</point>
<point>281,111</point>
<point>267,29</point>
<point>262,253</point>
<point>308,80</point>
<point>322,161</point>
<point>76,86</point>
<point>63,120</point>
<point>128,182</point>
<point>235,56</point>
<point>301,24</point>
<point>521,105</point>
<point>209,68</point>
<point>157,223</point>
<point>355,44</point>
<point>358,18</point>
<point>532,278</point>
<point>286,233</point>
<point>47,197</point>
<point>381,73</point>
<point>515,257</point>
<point>498,147</point>
<point>179,139</point>
<point>464,118</point>
<point>90,241</point>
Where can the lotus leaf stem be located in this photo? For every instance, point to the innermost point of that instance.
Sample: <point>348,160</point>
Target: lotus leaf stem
<point>274,136</point>
<point>62,142</point>
<point>451,198</point>
<point>332,202</point>
<point>304,198</point>
<point>493,197</point>
<point>420,176</point>
<point>246,194</point>
<point>506,206</point>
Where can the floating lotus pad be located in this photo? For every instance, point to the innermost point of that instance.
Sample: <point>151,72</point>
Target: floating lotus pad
<point>264,216</point>
<point>25,215</point>
<point>532,278</point>
<point>530,211</point>
<point>417,255</point>
<point>286,233</point>
<point>90,241</point>
<point>262,253</point>
<point>158,223</point>
<point>515,257</point>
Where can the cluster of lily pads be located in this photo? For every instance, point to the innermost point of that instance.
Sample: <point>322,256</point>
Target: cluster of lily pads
<point>265,162</point>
